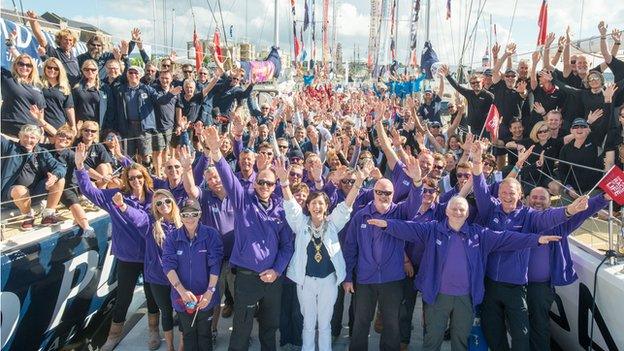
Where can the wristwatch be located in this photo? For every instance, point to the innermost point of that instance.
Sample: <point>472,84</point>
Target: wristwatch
<point>211,289</point>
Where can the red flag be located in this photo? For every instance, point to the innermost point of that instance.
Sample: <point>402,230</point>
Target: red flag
<point>613,184</point>
<point>492,121</point>
<point>217,45</point>
<point>199,51</point>
<point>542,22</point>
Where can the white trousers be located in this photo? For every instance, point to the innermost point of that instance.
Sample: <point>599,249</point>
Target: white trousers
<point>316,298</point>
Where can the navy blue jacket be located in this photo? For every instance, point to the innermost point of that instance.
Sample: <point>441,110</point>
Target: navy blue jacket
<point>12,164</point>
<point>146,108</point>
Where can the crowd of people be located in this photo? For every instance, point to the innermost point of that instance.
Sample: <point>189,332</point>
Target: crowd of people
<point>283,209</point>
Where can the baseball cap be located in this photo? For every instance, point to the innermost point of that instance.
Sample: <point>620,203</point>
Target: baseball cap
<point>138,69</point>
<point>580,122</point>
<point>511,71</point>
<point>190,205</point>
<point>487,72</point>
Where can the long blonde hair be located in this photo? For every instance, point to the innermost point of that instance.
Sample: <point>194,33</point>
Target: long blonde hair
<point>33,78</point>
<point>159,233</point>
<point>90,62</point>
<point>63,82</point>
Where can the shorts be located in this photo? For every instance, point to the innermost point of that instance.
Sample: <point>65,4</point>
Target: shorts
<point>36,191</point>
<point>139,143</point>
<point>70,196</point>
<point>160,140</point>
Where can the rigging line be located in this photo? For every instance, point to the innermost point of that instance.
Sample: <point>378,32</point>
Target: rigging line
<point>474,28</point>
<point>222,25</point>
<point>463,51</point>
<point>513,17</point>
<point>193,14</point>
<point>214,18</point>
<point>453,40</point>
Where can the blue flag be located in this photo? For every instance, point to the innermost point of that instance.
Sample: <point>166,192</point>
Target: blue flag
<point>428,58</point>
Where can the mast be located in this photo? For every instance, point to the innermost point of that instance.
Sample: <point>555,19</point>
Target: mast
<point>276,24</point>
<point>172,26</point>
<point>165,24</point>
<point>427,20</point>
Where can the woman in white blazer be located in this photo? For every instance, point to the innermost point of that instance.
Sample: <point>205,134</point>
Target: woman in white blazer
<point>317,266</point>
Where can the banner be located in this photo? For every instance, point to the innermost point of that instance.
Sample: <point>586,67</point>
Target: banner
<point>262,71</point>
<point>414,32</point>
<point>613,184</point>
<point>325,31</point>
<point>306,16</point>
<point>428,58</point>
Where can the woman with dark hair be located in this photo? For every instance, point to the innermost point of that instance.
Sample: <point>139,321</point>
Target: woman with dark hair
<point>128,243</point>
<point>317,265</point>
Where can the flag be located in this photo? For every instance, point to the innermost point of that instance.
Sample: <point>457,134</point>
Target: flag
<point>231,31</point>
<point>325,31</point>
<point>427,59</point>
<point>542,22</point>
<point>613,184</point>
<point>297,47</point>
<point>448,9</point>
<point>217,45</point>
<point>492,122</point>
<point>199,51</point>
<point>306,16</point>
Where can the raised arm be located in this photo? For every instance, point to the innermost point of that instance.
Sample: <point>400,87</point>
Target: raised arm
<point>485,202</point>
<point>533,72</point>
<point>509,51</point>
<point>457,87</point>
<point>187,172</point>
<point>232,186</point>
<point>604,50</point>
<point>217,74</point>
<point>87,188</point>
<point>403,230</point>
<point>36,28</point>
<point>567,66</point>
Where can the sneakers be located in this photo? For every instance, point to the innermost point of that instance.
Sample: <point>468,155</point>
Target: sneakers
<point>49,220</point>
<point>28,223</point>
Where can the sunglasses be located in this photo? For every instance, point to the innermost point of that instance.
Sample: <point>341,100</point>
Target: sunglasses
<point>264,108</point>
<point>383,193</point>
<point>295,174</point>
<point>190,214</point>
<point>171,167</point>
<point>62,136</point>
<point>92,131</point>
<point>463,175</point>
<point>89,69</point>
<point>438,167</point>
<point>429,191</point>
<point>510,76</point>
<point>542,131</point>
<point>53,68</point>
<point>593,79</point>
<point>24,64</point>
<point>579,127</point>
<point>348,181</point>
<point>165,65</point>
<point>263,182</point>
<point>165,201</point>
<point>187,72</point>
<point>136,177</point>
<point>283,146</point>
<point>267,153</point>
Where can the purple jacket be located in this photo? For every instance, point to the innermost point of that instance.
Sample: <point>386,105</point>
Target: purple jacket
<point>511,267</point>
<point>378,258</point>
<point>219,215</point>
<point>262,238</point>
<point>128,243</point>
<point>434,238</point>
<point>194,261</point>
<point>561,266</point>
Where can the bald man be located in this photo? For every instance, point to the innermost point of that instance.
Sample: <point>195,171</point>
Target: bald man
<point>376,260</point>
<point>550,266</point>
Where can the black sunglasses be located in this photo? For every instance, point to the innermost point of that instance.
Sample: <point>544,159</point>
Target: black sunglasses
<point>263,182</point>
<point>24,64</point>
<point>90,130</point>
<point>429,191</point>
<point>348,181</point>
<point>53,68</point>
<point>383,193</point>
<point>133,178</point>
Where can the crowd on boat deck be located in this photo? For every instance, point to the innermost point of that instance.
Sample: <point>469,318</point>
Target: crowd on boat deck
<point>277,211</point>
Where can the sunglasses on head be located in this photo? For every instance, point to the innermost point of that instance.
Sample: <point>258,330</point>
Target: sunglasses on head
<point>463,175</point>
<point>429,191</point>
<point>383,192</point>
<point>53,68</point>
<point>263,182</point>
<point>348,181</point>
<point>190,214</point>
<point>24,64</point>
<point>171,167</point>
<point>165,201</point>
<point>136,177</point>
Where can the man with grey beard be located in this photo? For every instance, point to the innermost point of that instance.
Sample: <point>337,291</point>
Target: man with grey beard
<point>95,46</point>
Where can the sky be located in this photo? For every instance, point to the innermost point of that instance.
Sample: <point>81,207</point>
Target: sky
<point>254,20</point>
